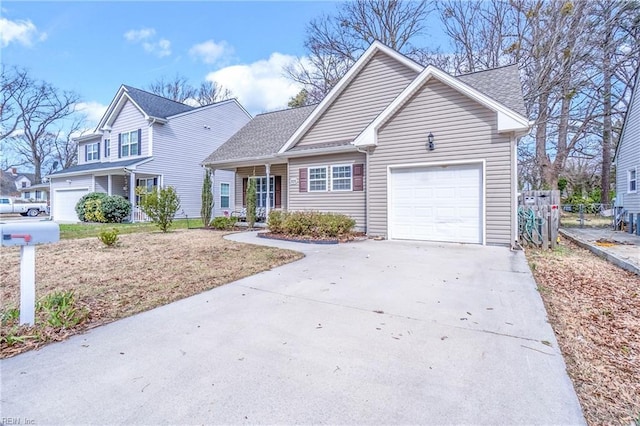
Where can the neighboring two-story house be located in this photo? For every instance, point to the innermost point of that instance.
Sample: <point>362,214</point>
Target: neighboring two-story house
<point>22,185</point>
<point>147,140</point>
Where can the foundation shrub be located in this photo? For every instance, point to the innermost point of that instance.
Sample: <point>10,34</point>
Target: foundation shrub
<point>311,224</point>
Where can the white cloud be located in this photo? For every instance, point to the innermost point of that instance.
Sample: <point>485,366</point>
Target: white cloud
<point>259,86</point>
<point>19,31</point>
<point>210,52</point>
<point>93,110</point>
<point>146,37</point>
<point>139,35</point>
<point>161,49</point>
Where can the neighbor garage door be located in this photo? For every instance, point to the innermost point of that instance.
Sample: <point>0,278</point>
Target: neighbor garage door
<point>64,203</point>
<point>441,203</point>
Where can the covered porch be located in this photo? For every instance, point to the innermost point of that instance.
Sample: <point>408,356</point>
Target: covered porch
<point>271,189</point>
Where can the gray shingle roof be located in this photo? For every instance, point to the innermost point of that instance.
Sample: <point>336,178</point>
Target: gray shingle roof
<point>502,84</point>
<point>154,105</point>
<point>267,133</point>
<point>261,137</point>
<point>100,166</point>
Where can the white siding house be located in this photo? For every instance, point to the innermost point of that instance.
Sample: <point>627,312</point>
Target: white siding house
<point>147,140</point>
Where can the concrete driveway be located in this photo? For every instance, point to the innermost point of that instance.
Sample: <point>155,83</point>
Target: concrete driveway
<point>361,333</point>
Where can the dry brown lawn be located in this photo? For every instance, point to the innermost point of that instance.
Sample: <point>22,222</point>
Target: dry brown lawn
<point>594,308</point>
<point>144,271</point>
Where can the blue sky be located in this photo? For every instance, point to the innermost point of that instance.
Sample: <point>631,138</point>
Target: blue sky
<point>93,47</point>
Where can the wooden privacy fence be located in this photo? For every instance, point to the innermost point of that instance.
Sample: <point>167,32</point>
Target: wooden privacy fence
<point>539,218</point>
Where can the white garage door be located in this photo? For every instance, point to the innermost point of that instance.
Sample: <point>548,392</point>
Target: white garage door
<point>441,203</point>
<point>64,204</point>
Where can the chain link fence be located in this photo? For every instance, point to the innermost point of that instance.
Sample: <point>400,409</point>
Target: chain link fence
<point>594,215</point>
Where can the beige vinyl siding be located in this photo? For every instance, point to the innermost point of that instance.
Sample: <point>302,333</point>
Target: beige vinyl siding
<point>276,170</point>
<point>377,84</point>
<point>629,157</point>
<point>129,119</point>
<point>463,130</point>
<point>350,203</point>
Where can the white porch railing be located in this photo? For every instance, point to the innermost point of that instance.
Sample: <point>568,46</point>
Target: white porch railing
<point>138,215</point>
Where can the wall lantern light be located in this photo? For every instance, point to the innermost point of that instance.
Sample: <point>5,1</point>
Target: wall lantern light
<point>431,145</point>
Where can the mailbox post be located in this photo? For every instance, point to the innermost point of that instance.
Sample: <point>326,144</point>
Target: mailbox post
<point>27,235</point>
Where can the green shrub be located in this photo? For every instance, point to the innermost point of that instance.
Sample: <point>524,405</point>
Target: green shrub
<point>206,198</point>
<point>93,211</point>
<point>103,208</point>
<point>109,237</point>
<point>251,202</point>
<point>115,209</point>
<point>61,310</point>
<point>223,223</point>
<point>310,224</point>
<point>160,205</point>
<point>274,221</point>
<point>81,205</point>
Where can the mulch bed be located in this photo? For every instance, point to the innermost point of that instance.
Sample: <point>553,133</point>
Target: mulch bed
<point>594,308</point>
<point>313,240</point>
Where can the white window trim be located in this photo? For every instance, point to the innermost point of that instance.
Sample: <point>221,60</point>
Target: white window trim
<point>629,180</point>
<point>350,166</point>
<point>122,144</point>
<point>327,181</point>
<point>272,199</point>
<point>228,196</point>
<point>93,151</point>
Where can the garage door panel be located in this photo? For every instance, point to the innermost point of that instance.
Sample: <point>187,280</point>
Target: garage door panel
<point>437,203</point>
<point>64,204</point>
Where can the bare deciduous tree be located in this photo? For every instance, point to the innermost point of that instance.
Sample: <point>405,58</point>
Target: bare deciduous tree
<point>13,80</point>
<point>178,89</point>
<point>334,42</point>
<point>560,46</point>
<point>42,110</point>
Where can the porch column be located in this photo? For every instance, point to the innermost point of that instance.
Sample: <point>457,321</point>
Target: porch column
<point>267,168</point>
<point>132,195</point>
<point>109,185</point>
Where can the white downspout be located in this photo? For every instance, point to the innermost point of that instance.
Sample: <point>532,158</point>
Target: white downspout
<point>268,203</point>
<point>132,195</point>
<point>365,189</point>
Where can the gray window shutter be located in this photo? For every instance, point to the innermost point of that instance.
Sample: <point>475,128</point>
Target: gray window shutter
<point>139,141</point>
<point>98,150</point>
<point>119,145</point>
<point>86,154</point>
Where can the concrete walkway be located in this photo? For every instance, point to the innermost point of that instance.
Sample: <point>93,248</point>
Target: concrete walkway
<point>624,252</point>
<point>374,332</point>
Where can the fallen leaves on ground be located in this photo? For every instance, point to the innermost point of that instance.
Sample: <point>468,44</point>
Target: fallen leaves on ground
<point>144,271</point>
<point>594,309</point>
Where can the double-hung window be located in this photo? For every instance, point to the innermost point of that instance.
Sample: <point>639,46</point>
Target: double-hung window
<point>93,151</point>
<point>341,178</point>
<point>317,179</point>
<point>632,179</point>
<point>107,148</point>
<point>129,144</point>
<point>224,195</point>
